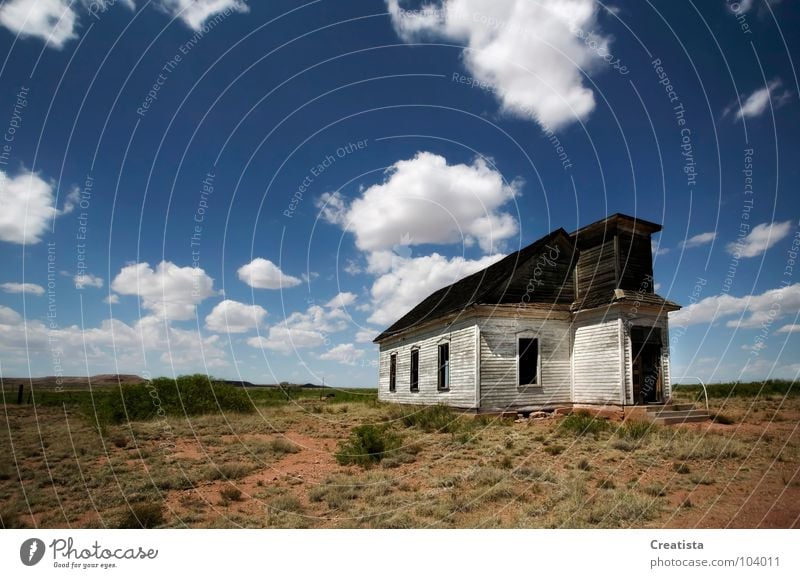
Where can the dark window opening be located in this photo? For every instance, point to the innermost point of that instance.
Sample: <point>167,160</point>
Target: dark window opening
<point>528,360</point>
<point>393,372</point>
<point>444,367</point>
<point>415,370</point>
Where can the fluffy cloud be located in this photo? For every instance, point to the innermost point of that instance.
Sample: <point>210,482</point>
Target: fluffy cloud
<point>395,293</point>
<point>264,274</point>
<point>760,239</point>
<point>50,20</point>
<point>755,104</point>
<point>344,353</point>
<point>168,290</point>
<point>87,280</point>
<point>31,288</point>
<point>792,328</point>
<point>9,317</point>
<point>233,317</point>
<point>55,21</point>
<point>27,207</point>
<point>754,310</point>
<point>150,344</point>
<point>530,54</point>
<point>425,200</point>
<point>342,300</point>
<point>194,13</point>
<point>366,335</point>
<point>699,240</point>
<point>304,330</point>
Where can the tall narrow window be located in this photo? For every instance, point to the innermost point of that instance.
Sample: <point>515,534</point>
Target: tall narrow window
<point>393,372</point>
<point>415,370</point>
<point>444,367</point>
<point>528,360</point>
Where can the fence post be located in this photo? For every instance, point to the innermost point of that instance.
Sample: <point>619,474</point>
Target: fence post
<point>19,393</point>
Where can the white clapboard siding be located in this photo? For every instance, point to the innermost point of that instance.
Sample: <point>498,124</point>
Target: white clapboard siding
<point>461,336</point>
<point>498,364</point>
<point>596,363</point>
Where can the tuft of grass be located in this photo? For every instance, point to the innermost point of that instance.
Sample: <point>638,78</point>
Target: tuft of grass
<point>681,468</point>
<point>554,449</point>
<point>283,446</point>
<point>228,471</point>
<point>582,423</point>
<point>231,494</point>
<point>584,465</point>
<point>368,445</point>
<point>142,515</point>
<point>721,418</point>
<point>431,419</point>
<point>633,430</point>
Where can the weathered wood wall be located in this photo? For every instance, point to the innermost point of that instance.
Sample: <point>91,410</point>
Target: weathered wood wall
<point>636,262</point>
<point>498,364</point>
<point>462,337</point>
<point>597,364</point>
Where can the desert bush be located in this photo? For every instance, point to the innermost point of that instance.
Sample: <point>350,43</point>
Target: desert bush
<point>283,445</point>
<point>581,423</point>
<point>231,494</point>
<point>187,395</point>
<point>430,419</point>
<point>636,430</point>
<point>368,445</point>
<point>623,509</point>
<point>142,515</point>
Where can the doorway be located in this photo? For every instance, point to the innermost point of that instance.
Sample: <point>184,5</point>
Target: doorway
<point>646,367</point>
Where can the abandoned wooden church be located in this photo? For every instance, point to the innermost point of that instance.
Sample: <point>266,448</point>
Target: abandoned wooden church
<point>572,319</point>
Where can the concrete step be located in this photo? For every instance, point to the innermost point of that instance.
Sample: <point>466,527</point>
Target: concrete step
<point>679,420</point>
<point>677,413</point>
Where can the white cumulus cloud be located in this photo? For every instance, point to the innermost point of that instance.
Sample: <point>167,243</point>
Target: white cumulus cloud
<point>756,103</point>
<point>50,20</point>
<point>264,274</point>
<point>425,200</point>
<point>760,239</point>
<point>754,310</point>
<point>531,54</point>
<point>344,353</point>
<point>411,280</point>
<point>31,288</point>
<point>231,316</point>
<point>194,13</point>
<point>87,280</point>
<point>699,240</point>
<point>344,299</point>
<point>27,207</point>
<point>168,290</point>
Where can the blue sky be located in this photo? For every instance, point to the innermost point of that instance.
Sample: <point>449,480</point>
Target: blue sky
<point>257,189</point>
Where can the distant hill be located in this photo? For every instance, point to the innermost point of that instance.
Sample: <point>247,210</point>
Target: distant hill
<point>109,379</point>
<point>104,379</point>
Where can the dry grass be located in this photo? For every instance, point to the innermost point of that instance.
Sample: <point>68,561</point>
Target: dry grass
<point>276,468</point>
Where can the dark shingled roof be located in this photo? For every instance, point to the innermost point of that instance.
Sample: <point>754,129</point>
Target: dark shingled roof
<point>485,286</point>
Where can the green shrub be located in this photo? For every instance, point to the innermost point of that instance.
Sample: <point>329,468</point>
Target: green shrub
<point>367,445</point>
<point>430,419</point>
<point>231,494</point>
<point>186,395</point>
<point>581,423</point>
<point>142,515</point>
<point>636,430</point>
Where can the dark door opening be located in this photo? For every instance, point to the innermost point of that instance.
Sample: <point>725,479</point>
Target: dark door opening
<point>646,367</point>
